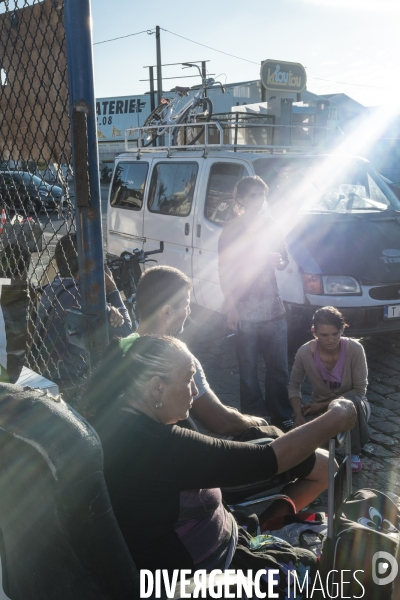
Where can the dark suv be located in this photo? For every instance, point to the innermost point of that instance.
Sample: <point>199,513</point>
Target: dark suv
<point>23,190</point>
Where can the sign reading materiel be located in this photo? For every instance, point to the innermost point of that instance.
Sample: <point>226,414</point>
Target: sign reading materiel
<point>116,114</point>
<point>281,76</point>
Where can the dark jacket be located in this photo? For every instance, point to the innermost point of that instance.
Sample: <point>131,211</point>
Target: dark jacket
<point>57,359</point>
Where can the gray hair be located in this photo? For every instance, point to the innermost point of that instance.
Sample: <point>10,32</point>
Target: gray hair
<point>149,356</point>
<point>153,356</point>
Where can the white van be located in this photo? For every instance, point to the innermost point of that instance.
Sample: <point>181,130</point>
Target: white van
<point>340,219</point>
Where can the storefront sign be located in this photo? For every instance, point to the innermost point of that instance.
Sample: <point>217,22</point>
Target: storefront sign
<point>116,114</point>
<point>281,76</point>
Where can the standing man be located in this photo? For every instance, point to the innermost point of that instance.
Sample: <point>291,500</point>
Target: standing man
<point>163,304</point>
<point>251,247</point>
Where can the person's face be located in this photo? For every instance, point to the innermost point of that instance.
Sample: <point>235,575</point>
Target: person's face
<point>328,336</point>
<point>179,314</point>
<point>178,392</point>
<point>253,200</point>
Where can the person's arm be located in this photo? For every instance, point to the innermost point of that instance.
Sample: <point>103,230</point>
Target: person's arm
<point>299,443</point>
<point>212,414</point>
<point>314,408</point>
<point>221,419</point>
<point>359,374</point>
<point>297,375</point>
<point>119,320</point>
<point>190,460</point>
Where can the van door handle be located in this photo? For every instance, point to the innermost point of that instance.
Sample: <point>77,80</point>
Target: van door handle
<point>187,228</point>
<point>198,230</point>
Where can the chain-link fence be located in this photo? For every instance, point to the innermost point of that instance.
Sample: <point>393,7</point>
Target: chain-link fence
<point>38,250</point>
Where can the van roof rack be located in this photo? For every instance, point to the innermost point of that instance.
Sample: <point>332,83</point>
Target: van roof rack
<point>233,133</point>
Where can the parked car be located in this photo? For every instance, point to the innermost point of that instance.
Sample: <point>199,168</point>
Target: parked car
<point>21,189</point>
<point>340,219</point>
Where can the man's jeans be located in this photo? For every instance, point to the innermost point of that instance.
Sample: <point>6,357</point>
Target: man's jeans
<point>269,338</point>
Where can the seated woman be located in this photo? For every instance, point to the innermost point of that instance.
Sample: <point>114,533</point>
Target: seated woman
<point>164,480</point>
<point>336,367</point>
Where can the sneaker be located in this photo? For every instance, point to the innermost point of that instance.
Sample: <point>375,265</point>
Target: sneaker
<point>288,424</point>
<point>356,465</point>
<point>284,425</point>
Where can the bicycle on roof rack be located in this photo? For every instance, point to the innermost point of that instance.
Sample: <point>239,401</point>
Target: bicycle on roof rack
<point>196,110</point>
<point>126,271</point>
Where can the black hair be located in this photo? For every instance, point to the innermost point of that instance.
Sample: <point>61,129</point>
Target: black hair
<point>159,286</point>
<point>66,255</point>
<point>242,188</point>
<point>328,315</point>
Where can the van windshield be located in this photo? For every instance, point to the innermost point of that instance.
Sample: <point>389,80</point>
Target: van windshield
<point>324,184</point>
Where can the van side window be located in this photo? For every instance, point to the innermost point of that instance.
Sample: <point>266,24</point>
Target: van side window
<point>172,188</point>
<point>221,185</point>
<point>128,185</point>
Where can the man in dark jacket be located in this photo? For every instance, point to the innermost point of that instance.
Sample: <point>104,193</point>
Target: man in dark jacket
<point>251,247</point>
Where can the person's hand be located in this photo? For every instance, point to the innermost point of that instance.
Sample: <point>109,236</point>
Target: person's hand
<point>312,408</point>
<point>256,421</point>
<point>116,319</point>
<point>110,283</point>
<point>345,411</point>
<point>299,420</point>
<point>232,319</point>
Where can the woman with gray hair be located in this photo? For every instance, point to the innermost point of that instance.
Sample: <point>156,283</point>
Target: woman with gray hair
<point>164,480</point>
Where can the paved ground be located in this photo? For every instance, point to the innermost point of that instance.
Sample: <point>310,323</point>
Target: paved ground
<point>55,228</point>
<point>214,346</point>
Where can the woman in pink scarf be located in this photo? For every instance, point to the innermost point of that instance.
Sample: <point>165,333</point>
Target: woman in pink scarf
<point>336,367</point>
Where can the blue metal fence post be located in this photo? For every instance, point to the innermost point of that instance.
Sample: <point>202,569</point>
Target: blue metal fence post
<point>92,322</point>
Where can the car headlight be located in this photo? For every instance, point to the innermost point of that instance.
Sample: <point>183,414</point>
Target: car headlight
<point>340,285</point>
<point>330,285</point>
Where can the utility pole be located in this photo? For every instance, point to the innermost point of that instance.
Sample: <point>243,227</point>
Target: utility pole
<point>152,97</point>
<point>159,76</point>
<point>204,73</point>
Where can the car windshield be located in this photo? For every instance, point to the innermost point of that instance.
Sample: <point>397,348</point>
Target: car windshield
<point>28,178</point>
<point>325,184</point>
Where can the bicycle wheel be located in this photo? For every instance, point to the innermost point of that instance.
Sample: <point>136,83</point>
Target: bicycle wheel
<point>200,112</point>
<point>155,118</point>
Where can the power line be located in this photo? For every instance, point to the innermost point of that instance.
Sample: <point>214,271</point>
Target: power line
<point>377,87</point>
<point>255,63</point>
<point>209,47</point>
<point>149,31</point>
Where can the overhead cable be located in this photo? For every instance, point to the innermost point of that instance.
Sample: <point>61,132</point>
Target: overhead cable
<point>149,31</point>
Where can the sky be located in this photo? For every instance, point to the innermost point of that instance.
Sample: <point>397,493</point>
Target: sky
<point>349,46</point>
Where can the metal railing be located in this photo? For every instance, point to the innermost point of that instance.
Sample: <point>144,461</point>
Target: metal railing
<point>226,136</point>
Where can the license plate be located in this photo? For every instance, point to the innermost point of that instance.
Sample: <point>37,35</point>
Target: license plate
<point>392,312</point>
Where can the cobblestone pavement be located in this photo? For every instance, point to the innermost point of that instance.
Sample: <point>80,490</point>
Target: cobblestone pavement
<point>210,341</point>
